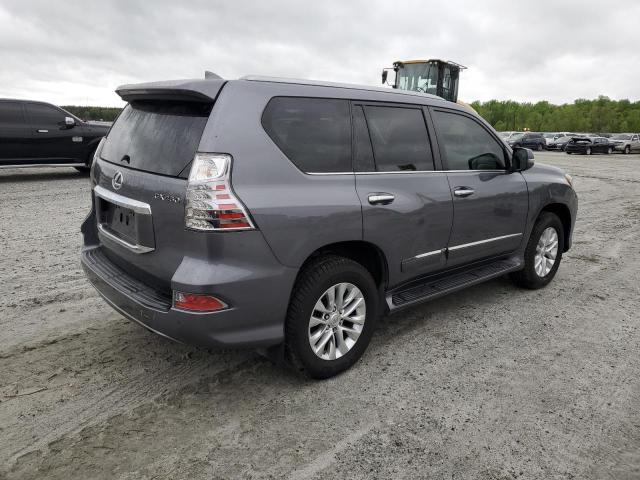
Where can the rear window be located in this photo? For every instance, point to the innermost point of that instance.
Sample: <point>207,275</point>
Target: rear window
<point>157,136</point>
<point>314,133</point>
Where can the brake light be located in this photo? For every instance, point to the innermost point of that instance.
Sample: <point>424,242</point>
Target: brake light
<point>210,201</point>
<point>197,302</point>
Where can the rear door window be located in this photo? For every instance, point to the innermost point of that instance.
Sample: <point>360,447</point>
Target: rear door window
<point>314,133</point>
<point>363,152</point>
<point>157,136</point>
<point>11,114</point>
<point>465,144</point>
<point>399,138</point>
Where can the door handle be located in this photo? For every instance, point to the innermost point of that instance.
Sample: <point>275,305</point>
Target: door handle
<point>381,198</point>
<point>463,191</point>
<point>43,131</point>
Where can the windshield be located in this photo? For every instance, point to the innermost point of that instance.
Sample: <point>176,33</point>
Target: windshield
<point>621,136</point>
<point>418,77</point>
<point>515,136</point>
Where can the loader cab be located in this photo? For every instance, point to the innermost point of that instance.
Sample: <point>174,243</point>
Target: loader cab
<point>437,77</point>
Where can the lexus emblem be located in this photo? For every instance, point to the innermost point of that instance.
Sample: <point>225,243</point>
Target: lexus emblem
<point>117,181</point>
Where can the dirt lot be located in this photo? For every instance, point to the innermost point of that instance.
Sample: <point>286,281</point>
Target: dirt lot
<point>493,382</point>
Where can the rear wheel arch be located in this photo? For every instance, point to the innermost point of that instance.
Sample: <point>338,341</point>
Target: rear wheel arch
<point>564,214</point>
<point>366,254</point>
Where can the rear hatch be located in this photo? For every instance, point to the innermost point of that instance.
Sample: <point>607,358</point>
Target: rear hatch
<point>141,181</point>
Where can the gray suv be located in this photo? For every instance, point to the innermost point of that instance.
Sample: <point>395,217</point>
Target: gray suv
<point>288,215</point>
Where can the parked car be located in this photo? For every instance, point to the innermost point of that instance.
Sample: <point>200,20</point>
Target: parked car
<point>625,142</point>
<point>507,135</point>
<point>531,140</point>
<point>559,143</point>
<point>549,137</point>
<point>249,213</point>
<point>40,134</point>
<point>562,134</point>
<point>589,145</point>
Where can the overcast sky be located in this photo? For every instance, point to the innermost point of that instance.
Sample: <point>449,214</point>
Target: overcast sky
<point>78,52</point>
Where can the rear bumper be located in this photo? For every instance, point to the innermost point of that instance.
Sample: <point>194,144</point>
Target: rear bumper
<point>255,317</point>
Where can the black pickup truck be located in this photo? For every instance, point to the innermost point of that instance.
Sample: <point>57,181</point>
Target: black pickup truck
<point>40,134</point>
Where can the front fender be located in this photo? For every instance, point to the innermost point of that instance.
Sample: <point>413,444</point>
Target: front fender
<point>549,189</point>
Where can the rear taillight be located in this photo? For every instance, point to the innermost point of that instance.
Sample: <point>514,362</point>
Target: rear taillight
<point>210,201</point>
<point>196,302</point>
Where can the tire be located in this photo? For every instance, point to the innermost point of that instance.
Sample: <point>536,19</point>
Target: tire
<point>588,151</point>
<point>568,153</point>
<point>313,283</point>
<point>627,150</point>
<point>540,148</point>
<point>87,167</point>
<point>528,277</point>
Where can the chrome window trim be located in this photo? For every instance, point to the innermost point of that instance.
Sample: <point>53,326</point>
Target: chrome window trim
<point>122,201</point>
<point>488,240</point>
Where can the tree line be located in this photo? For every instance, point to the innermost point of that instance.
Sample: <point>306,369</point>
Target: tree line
<point>602,115</point>
<point>105,114</point>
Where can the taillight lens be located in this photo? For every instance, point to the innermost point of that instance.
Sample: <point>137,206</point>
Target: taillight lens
<point>197,302</point>
<point>210,201</point>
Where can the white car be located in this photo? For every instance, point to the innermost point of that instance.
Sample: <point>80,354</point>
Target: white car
<point>626,142</point>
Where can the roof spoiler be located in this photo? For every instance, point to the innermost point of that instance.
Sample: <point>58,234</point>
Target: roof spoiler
<point>183,90</point>
<point>130,95</point>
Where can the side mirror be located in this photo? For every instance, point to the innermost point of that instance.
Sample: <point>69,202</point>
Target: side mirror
<point>522,159</point>
<point>384,76</point>
<point>69,122</point>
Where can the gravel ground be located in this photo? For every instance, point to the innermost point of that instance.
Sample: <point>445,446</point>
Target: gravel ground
<point>490,383</point>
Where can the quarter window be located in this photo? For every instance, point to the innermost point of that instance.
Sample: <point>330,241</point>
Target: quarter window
<point>314,133</point>
<point>466,145</point>
<point>400,139</point>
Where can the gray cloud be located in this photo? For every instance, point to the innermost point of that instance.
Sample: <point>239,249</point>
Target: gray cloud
<point>80,51</point>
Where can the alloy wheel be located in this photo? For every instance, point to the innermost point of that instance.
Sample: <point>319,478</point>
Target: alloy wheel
<point>546,252</point>
<point>337,321</point>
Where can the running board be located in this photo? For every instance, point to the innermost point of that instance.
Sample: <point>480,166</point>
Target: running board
<point>430,288</point>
